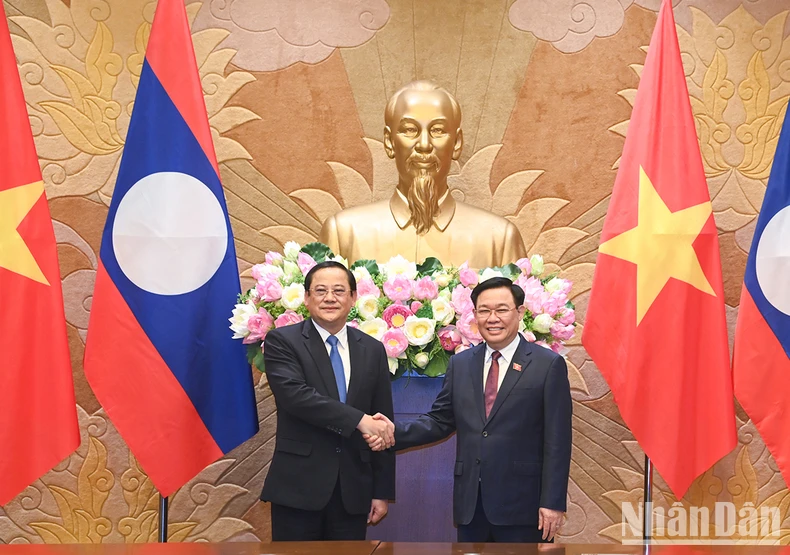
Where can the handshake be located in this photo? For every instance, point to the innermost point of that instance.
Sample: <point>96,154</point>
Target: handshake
<point>378,431</point>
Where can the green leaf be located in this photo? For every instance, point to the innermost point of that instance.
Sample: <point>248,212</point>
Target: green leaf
<point>438,364</point>
<point>425,311</point>
<point>319,251</point>
<point>252,350</point>
<point>371,266</point>
<point>258,362</point>
<point>429,266</point>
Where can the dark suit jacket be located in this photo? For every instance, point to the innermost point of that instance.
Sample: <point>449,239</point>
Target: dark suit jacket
<point>317,439</point>
<point>520,456</point>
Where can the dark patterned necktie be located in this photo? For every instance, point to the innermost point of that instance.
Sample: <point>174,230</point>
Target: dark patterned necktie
<point>492,381</point>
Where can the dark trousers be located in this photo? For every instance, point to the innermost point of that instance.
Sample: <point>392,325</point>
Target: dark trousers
<point>330,523</point>
<point>480,530</point>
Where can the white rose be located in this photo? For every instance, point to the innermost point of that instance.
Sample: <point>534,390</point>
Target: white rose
<point>393,364</point>
<point>398,265</point>
<point>443,311</point>
<point>368,307</point>
<point>421,359</point>
<point>537,264</point>
<point>489,273</point>
<point>360,273</point>
<point>542,323</point>
<point>238,322</point>
<point>291,250</point>
<point>442,279</point>
<point>293,296</point>
<point>419,331</point>
<point>375,327</point>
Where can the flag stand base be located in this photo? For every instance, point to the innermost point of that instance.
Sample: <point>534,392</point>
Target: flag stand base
<point>647,515</point>
<point>162,519</point>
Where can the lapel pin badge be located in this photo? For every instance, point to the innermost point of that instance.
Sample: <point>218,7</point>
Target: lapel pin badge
<point>517,367</point>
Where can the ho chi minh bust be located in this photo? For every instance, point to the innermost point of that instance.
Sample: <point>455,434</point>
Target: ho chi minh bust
<point>423,134</point>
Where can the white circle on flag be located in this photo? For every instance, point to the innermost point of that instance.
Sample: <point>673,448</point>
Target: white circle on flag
<point>169,234</point>
<point>772,262</point>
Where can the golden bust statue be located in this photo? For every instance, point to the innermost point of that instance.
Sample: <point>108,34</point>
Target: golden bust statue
<point>423,134</point>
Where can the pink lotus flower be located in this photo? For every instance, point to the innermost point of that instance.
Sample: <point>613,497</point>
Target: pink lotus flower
<point>533,293</point>
<point>395,315</point>
<point>263,272</point>
<point>467,325</point>
<point>425,289</point>
<point>551,304</point>
<point>259,325</point>
<point>543,344</point>
<point>468,277</point>
<point>561,331</point>
<point>367,287</point>
<point>395,342</point>
<point>529,336</point>
<point>567,316</point>
<point>450,338</point>
<point>287,318</point>
<point>524,265</point>
<point>462,347</point>
<point>274,258</point>
<point>305,262</point>
<point>415,306</point>
<point>270,290</point>
<point>557,347</point>
<point>462,300</point>
<point>398,288</point>
<point>353,323</point>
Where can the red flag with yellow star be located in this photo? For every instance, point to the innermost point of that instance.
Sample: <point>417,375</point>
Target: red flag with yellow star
<point>655,322</point>
<point>38,419</point>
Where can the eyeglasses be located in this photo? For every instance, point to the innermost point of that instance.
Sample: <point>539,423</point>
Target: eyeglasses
<point>500,312</point>
<point>321,292</point>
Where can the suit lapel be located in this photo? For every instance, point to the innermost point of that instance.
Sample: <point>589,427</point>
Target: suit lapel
<point>317,349</point>
<point>512,376</point>
<point>356,354</point>
<point>478,360</point>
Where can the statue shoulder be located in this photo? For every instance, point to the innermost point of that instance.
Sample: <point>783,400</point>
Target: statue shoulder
<point>478,215</point>
<point>348,216</point>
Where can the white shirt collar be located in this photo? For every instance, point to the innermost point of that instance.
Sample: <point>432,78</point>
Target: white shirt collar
<point>507,352</point>
<point>342,335</point>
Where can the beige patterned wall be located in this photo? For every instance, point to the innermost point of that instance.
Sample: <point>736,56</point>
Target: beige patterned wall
<point>295,92</point>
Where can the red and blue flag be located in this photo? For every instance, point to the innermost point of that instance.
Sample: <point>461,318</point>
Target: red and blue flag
<point>761,360</point>
<point>159,356</point>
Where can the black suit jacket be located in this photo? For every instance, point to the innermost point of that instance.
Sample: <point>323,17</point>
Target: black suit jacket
<point>520,456</point>
<point>317,439</point>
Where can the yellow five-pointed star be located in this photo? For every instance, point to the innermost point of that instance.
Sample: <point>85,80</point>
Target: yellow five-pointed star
<point>14,253</point>
<point>661,246</point>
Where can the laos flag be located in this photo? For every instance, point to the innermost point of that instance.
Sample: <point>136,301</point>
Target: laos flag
<point>159,356</point>
<point>761,360</point>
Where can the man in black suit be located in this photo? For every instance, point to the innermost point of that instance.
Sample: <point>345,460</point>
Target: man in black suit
<point>324,482</point>
<point>510,402</point>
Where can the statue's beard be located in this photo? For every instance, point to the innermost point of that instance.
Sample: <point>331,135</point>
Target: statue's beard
<point>423,201</point>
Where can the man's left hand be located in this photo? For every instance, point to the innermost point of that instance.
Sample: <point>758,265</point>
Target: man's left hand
<point>550,521</point>
<point>378,510</point>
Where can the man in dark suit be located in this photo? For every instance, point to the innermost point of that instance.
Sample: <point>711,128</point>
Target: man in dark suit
<point>324,482</point>
<point>510,403</point>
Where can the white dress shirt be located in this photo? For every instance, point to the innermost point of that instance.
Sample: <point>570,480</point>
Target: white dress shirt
<point>342,346</point>
<point>504,361</point>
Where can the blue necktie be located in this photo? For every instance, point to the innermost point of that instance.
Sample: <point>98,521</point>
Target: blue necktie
<point>337,366</point>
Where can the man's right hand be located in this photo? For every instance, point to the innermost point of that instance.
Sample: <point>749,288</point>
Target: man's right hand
<point>378,431</point>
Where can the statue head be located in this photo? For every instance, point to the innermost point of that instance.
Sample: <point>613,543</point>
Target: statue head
<point>422,133</point>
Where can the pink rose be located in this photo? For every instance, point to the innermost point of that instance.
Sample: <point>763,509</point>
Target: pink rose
<point>395,315</point>
<point>467,325</point>
<point>567,316</point>
<point>560,331</point>
<point>259,325</point>
<point>353,324</point>
<point>305,262</point>
<point>529,336</point>
<point>367,287</point>
<point>425,289</point>
<point>274,258</point>
<point>270,290</point>
<point>287,318</point>
<point>395,342</point>
<point>525,265</point>
<point>450,338</point>
<point>415,306</point>
<point>398,289</point>
<point>468,277</point>
<point>462,300</point>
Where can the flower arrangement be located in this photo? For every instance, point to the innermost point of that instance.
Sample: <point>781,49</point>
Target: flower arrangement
<point>422,313</point>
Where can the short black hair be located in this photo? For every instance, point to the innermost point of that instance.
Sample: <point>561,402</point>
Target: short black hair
<point>497,283</point>
<point>308,279</point>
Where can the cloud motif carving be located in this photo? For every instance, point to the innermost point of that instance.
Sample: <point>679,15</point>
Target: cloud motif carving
<point>274,34</point>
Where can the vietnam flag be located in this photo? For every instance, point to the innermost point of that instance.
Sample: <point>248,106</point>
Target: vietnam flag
<point>38,413</point>
<point>761,360</point>
<point>159,355</point>
<point>655,323</point>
